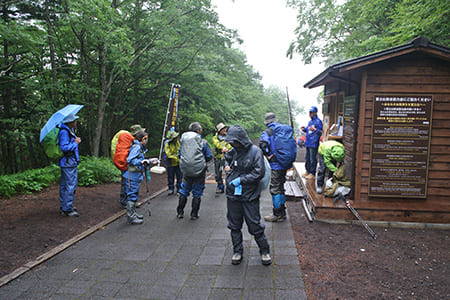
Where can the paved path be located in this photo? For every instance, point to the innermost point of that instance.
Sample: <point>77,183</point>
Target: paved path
<point>168,258</point>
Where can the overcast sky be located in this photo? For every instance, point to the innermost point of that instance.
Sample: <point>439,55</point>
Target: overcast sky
<point>267,28</point>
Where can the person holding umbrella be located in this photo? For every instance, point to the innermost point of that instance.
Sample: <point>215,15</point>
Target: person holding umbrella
<point>68,142</point>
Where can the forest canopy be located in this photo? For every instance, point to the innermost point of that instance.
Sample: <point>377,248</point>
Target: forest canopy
<point>119,59</point>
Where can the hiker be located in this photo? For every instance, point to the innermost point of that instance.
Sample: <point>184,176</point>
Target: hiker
<point>331,155</point>
<point>134,175</point>
<point>172,160</point>
<point>244,167</point>
<point>134,129</point>
<point>313,133</point>
<point>68,142</point>
<point>194,154</point>
<point>220,148</point>
<point>278,137</point>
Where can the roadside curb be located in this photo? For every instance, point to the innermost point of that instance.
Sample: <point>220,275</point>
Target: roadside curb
<point>49,254</point>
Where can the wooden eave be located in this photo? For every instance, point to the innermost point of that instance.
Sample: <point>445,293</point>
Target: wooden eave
<point>419,44</point>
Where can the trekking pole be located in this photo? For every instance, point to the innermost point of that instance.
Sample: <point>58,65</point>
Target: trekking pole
<point>147,180</point>
<point>347,203</point>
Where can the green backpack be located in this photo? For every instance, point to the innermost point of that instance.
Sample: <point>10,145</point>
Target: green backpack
<point>51,145</point>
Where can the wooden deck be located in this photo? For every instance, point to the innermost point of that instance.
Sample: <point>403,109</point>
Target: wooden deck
<point>323,208</point>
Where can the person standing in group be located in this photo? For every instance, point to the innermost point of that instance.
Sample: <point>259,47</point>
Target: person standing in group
<point>244,167</point>
<point>68,142</point>
<point>313,133</point>
<point>331,155</point>
<point>220,148</point>
<point>134,129</point>
<point>194,154</point>
<point>134,175</point>
<point>278,145</point>
<point>171,149</point>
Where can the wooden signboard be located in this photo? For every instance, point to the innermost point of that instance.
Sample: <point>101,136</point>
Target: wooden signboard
<point>349,134</point>
<point>400,148</point>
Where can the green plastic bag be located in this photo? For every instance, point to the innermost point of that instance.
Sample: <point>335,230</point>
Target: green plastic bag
<point>51,146</point>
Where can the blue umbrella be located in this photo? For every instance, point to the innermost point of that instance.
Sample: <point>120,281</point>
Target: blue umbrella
<point>57,118</point>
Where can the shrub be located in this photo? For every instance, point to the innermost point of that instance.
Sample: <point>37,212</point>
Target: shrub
<point>92,170</point>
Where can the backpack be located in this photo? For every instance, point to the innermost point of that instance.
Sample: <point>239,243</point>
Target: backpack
<point>285,145</point>
<point>264,182</point>
<point>50,143</point>
<point>120,147</point>
<point>192,160</point>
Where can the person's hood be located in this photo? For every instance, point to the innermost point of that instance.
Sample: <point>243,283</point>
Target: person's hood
<point>238,134</point>
<point>338,153</point>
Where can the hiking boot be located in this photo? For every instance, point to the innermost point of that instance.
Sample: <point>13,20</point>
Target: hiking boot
<point>305,174</point>
<point>310,176</point>
<point>274,218</point>
<point>70,213</point>
<point>319,190</point>
<point>236,259</point>
<point>266,259</point>
<point>132,216</point>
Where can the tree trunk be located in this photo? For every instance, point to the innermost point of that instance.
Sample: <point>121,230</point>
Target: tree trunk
<point>101,102</point>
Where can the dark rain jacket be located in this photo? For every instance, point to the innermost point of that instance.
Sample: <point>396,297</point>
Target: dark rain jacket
<point>246,162</point>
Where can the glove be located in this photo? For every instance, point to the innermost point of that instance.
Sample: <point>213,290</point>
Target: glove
<point>236,182</point>
<point>238,190</point>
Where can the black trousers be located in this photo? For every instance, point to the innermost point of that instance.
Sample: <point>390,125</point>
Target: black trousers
<point>237,212</point>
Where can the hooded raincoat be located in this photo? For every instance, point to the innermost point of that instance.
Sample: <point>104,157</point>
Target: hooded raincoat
<point>332,151</point>
<point>246,162</point>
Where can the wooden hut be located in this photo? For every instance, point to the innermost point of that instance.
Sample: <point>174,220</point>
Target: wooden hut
<point>393,110</point>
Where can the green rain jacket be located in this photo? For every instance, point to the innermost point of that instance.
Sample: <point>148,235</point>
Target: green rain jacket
<point>219,143</point>
<point>332,151</point>
<point>171,150</point>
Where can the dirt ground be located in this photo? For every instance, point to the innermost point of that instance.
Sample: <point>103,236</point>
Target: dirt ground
<point>338,261</point>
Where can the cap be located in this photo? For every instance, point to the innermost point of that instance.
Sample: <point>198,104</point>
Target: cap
<point>220,126</point>
<point>171,135</point>
<point>270,118</point>
<point>313,109</point>
<point>135,129</point>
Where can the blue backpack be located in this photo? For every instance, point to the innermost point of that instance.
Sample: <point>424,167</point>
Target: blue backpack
<point>285,145</point>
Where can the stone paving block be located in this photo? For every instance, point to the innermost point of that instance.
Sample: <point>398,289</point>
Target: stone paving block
<point>286,251</point>
<point>194,293</point>
<point>259,282</point>
<point>210,260</point>
<point>259,294</point>
<point>160,291</point>
<point>145,278</point>
<point>290,294</point>
<point>233,282</point>
<point>287,260</point>
<point>200,281</point>
<point>75,287</point>
<point>209,270</point>
<point>133,291</point>
<point>103,289</point>
<point>225,293</point>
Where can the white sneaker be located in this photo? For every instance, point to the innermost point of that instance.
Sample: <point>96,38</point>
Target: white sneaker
<point>236,259</point>
<point>319,190</point>
<point>266,259</point>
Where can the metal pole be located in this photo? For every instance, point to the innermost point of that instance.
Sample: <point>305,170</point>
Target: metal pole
<point>289,109</point>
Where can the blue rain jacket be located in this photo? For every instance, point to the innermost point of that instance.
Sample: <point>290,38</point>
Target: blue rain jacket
<point>313,137</point>
<point>66,140</point>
